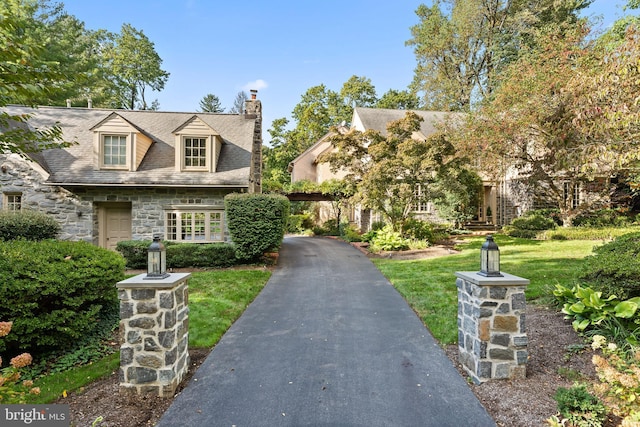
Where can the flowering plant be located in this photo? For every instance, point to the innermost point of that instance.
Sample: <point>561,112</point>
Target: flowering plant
<point>619,380</point>
<point>11,389</point>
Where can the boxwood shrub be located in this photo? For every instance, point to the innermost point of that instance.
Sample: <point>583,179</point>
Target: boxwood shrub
<point>28,225</point>
<point>179,255</point>
<point>614,269</point>
<point>55,293</point>
<point>529,225</point>
<point>256,222</point>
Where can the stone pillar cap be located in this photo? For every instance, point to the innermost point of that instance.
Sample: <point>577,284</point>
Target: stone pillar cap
<point>506,279</point>
<point>139,281</point>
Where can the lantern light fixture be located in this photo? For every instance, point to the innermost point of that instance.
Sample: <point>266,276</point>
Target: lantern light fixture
<point>490,258</point>
<point>157,261</point>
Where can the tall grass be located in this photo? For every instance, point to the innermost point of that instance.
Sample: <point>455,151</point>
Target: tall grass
<point>429,285</point>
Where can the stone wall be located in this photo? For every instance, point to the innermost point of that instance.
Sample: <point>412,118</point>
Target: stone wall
<point>154,328</point>
<point>492,337</point>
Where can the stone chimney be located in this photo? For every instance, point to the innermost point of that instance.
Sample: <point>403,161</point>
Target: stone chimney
<point>253,110</point>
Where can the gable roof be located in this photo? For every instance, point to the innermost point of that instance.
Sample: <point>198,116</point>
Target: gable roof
<point>74,166</point>
<point>378,118</point>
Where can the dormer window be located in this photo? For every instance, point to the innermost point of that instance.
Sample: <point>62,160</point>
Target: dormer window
<point>195,153</point>
<point>114,151</point>
<point>197,146</point>
<point>119,144</point>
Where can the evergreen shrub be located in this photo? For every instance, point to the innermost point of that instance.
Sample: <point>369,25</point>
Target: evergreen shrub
<point>614,269</point>
<point>28,225</point>
<point>55,293</point>
<point>256,222</point>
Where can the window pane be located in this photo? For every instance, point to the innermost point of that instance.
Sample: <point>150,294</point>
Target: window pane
<point>114,150</point>
<point>172,223</point>
<point>195,152</point>
<point>199,227</point>
<point>187,225</point>
<point>215,226</point>
<point>13,202</point>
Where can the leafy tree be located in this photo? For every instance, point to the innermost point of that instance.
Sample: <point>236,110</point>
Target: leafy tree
<point>24,74</point>
<point>399,100</point>
<point>565,118</point>
<point>238,103</point>
<point>386,170</point>
<point>136,67</point>
<point>210,103</point>
<point>461,46</point>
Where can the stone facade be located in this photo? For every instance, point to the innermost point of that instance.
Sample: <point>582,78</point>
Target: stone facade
<point>77,211</point>
<point>154,334</point>
<point>492,337</point>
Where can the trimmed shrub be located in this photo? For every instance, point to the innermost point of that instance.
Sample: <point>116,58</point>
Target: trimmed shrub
<point>183,255</point>
<point>179,255</point>
<point>55,293</point>
<point>256,222</point>
<point>135,253</point>
<point>529,225</point>
<point>614,268</point>
<point>28,225</point>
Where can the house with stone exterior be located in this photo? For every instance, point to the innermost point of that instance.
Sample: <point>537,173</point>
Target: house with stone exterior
<point>307,167</point>
<point>132,174</point>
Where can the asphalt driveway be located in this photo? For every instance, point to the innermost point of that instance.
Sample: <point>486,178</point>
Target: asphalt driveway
<point>328,342</point>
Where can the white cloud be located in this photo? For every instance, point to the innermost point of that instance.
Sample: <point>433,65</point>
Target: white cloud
<point>256,84</point>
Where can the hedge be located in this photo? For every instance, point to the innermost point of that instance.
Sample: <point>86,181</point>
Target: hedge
<point>28,225</point>
<point>55,293</point>
<point>256,222</point>
<point>179,255</point>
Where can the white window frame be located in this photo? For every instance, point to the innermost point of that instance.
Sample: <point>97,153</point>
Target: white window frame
<point>103,153</point>
<point>421,205</point>
<point>206,157</point>
<point>195,225</point>
<point>575,197</point>
<point>10,203</point>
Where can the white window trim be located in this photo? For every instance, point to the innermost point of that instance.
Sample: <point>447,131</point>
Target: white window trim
<point>101,137</point>
<point>7,205</point>
<point>208,153</point>
<point>177,236</point>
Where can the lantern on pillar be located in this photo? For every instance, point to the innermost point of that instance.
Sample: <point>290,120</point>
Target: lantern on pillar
<point>490,258</point>
<point>157,261</point>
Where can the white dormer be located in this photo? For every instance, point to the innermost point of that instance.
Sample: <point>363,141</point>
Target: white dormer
<point>197,146</point>
<point>118,144</point>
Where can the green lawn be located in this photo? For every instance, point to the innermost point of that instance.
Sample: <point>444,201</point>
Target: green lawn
<point>429,285</point>
<point>216,299</point>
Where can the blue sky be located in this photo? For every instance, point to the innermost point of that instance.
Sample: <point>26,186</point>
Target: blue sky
<point>280,47</point>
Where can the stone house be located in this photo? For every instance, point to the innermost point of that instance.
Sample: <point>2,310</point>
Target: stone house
<point>307,167</point>
<point>132,174</point>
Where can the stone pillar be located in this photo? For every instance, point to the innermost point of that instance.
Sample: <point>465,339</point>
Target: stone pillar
<point>154,334</point>
<point>492,337</point>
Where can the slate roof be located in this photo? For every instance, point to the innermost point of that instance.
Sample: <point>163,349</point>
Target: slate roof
<point>74,166</point>
<point>378,118</point>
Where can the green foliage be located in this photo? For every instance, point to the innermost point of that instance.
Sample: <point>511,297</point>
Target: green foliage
<point>528,225</point>
<point>179,255</point>
<point>614,269</point>
<point>210,103</point>
<point>28,225</point>
<point>350,233</point>
<point>299,223</point>
<point>388,240</point>
<point>592,314</point>
<point>12,390</point>
<point>579,407</point>
<point>201,255</point>
<point>56,293</point>
<point>416,229</point>
<point>136,67</point>
<point>256,222</point>
<point>135,253</point>
<point>585,233</point>
<point>329,228</point>
<point>602,218</point>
